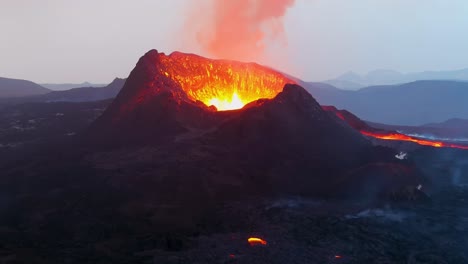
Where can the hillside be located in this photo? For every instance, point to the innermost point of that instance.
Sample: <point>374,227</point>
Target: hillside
<point>68,86</point>
<point>18,88</point>
<point>84,94</point>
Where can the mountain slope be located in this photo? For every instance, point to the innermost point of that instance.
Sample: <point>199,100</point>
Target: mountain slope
<point>187,151</point>
<point>84,94</point>
<point>19,88</point>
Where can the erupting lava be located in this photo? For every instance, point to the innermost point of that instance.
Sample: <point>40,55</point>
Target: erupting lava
<point>227,85</point>
<point>223,104</point>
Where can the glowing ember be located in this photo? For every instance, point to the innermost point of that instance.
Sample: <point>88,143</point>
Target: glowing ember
<point>227,85</point>
<point>253,241</point>
<point>424,142</point>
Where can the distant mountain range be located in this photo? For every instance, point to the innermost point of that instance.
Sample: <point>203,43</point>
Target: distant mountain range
<point>83,94</point>
<point>17,88</point>
<point>411,104</point>
<point>415,103</point>
<point>452,129</point>
<point>68,86</point>
<point>354,81</point>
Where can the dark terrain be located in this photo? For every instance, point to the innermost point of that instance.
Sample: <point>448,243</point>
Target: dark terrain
<point>25,127</point>
<point>75,214</point>
<point>70,214</point>
<point>169,180</point>
<point>89,223</point>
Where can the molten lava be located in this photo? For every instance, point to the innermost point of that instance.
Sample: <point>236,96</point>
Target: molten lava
<point>223,104</point>
<point>227,85</point>
<point>369,131</point>
<point>253,241</point>
<point>402,137</point>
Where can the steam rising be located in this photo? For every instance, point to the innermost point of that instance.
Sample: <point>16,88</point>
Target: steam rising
<point>237,29</point>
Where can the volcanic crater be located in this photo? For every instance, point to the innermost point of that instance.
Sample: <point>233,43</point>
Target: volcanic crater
<point>278,141</point>
<point>226,85</point>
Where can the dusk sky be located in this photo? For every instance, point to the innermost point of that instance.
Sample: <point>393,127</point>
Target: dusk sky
<point>96,40</point>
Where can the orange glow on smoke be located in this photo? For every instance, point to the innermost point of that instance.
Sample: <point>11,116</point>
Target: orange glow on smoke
<point>227,85</point>
<point>401,137</point>
<point>253,241</point>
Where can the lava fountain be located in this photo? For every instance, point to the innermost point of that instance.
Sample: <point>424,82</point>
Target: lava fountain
<point>224,84</point>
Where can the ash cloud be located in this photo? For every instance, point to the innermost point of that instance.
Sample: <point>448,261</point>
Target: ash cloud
<point>237,29</point>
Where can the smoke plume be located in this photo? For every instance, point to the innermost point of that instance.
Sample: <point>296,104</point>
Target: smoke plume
<point>236,29</point>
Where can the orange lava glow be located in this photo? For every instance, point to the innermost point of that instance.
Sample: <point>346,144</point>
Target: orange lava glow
<point>227,85</point>
<point>253,241</point>
<point>424,142</point>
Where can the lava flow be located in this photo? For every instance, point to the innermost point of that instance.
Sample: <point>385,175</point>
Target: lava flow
<point>369,131</point>
<point>227,85</point>
<point>253,241</point>
<point>402,137</point>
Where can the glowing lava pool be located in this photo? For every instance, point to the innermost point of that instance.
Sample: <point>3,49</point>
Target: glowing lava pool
<point>226,85</point>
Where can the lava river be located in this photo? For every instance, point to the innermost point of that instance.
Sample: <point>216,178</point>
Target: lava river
<point>402,137</point>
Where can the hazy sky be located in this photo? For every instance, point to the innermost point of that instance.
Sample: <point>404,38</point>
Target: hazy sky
<point>97,40</point>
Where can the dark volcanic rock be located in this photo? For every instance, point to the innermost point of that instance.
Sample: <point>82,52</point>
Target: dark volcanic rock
<point>360,125</point>
<point>159,178</point>
<point>284,145</point>
<point>354,121</point>
<point>292,143</point>
<point>151,108</point>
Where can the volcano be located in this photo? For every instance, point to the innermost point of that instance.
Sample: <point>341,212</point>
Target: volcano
<point>223,128</point>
